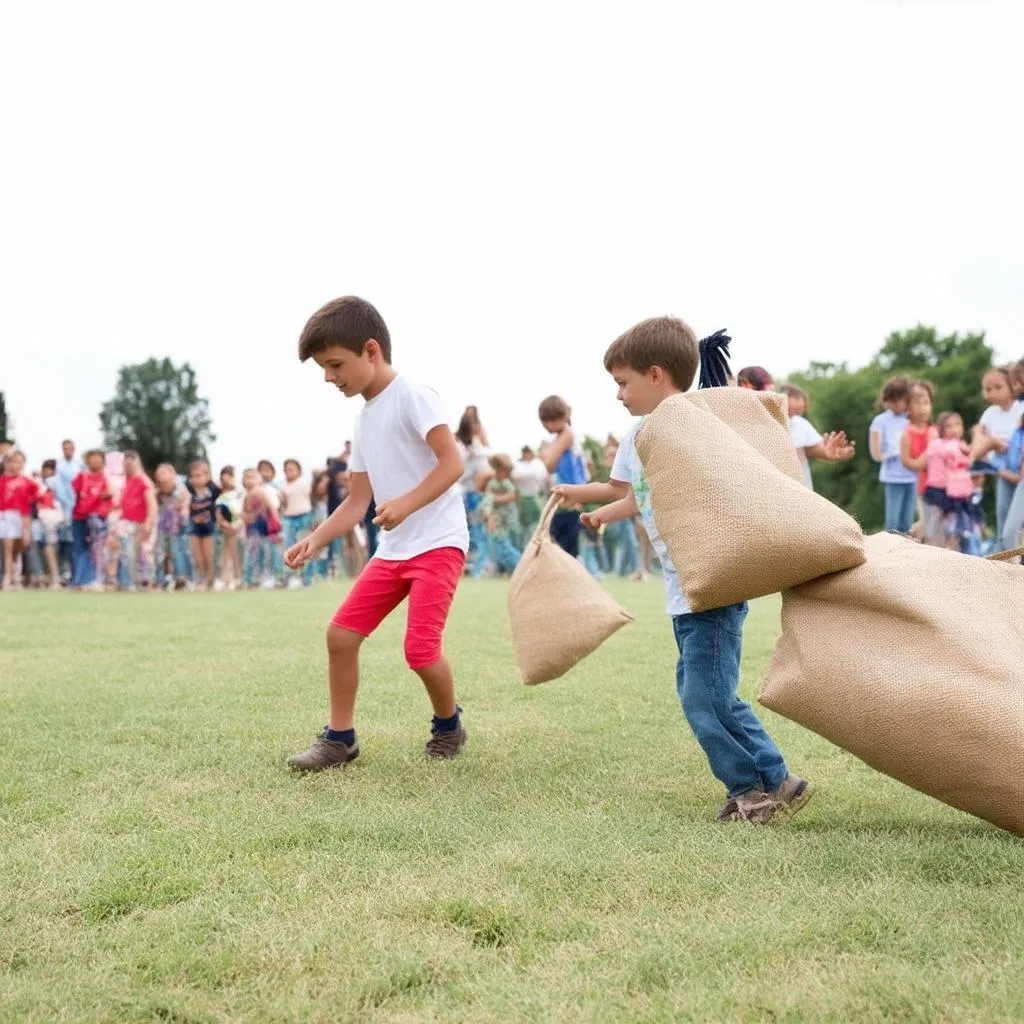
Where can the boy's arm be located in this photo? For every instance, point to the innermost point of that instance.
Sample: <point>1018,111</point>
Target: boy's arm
<point>561,444</point>
<point>624,508</point>
<point>592,494</point>
<point>447,472</point>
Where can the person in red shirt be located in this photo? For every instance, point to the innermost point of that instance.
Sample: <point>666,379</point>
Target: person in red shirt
<point>138,517</point>
<point>17,493</point>
<point>93,503</point>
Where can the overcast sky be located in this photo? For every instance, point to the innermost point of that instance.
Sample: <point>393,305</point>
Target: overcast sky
<point>512,186</point>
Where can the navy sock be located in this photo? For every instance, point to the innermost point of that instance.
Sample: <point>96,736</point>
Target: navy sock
<point>447,724</point>
<point>346,736</point>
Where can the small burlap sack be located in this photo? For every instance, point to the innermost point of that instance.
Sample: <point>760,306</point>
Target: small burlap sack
<point>558,613</point>
<point>915,663</point>
<point>728,501</point>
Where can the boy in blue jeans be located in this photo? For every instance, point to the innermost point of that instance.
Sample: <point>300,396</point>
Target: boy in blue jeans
<point>650,362</point>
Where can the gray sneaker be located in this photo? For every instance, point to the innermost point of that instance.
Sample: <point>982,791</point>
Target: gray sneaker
<point>446,745</point>
<point>323,754</point>
<point>793,794</point>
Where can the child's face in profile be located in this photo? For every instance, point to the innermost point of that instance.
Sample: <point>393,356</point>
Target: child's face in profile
<point>199,477</point>
<point>797,405</point>
<point>351,374</point>
<point>555,426</point>
<point>227,481</point>
<point>291,472</point>
<point>95,463</point>
<point>953,430</point>
<point>899,405</point>
<point>638,392</point>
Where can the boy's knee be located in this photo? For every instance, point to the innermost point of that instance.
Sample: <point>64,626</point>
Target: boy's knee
<point>342,641</point>
<point>422,649</point>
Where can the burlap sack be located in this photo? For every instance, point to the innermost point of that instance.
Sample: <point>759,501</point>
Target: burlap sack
<point>558,613</point>
<point>915,663</point>
<point>729,504</point>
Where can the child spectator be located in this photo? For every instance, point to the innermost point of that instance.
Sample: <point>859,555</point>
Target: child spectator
<point>318,499</point>
<point>258,516</point>
<point>229,522</point>
<point>50,520</point>
<point>919,433</point>
<point>502,516</point>
<point>93,505</point>
<point>885,438</point>
<point>137,524</point>
<point>649,363</point>
<point>755,378</point>
<point>948,490</point>
<point>808,442</point>
<point>564,459</point>
<point>992,438</point>
<point>530,476</point>
<point>1013,473</point>
<point>203,495</point>
<point>172,559</point>
<point>17,495</point>
<point>272,494</point>
<point>297,509</point>
<point>404,455</point>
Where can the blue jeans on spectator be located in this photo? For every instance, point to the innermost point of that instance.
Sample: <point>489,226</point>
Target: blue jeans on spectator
<point>256,559</point>
<point>1013,523</point>
<point>1005,491</point>
<point>900,505</point>
<point>503,553</point>
<point>295,528</point>
<point>626,554</point>
<point>590,554</point>
<point>84,571</point>
<point>740,752</point>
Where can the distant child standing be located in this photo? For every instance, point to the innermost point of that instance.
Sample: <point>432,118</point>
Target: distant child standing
<point>920,432</point>
<point>652,361</point>
<point>258,517</point>
<point>992,439</point>
<point>272,494</point>
<point>885,437</point>
<point>137,524</point>
<point>17,495</point>
<point>172,560</point>
<point>404,455</point>
<point>93,505</point>
<point>501,505</point>
<point>229,521</point>
<point>563,458</point>
<point>530,476</point>
<point>1013,473</point>
<point>808,442</point>
<point>203,495</point>
<point>297,517</point>
<point>947,496</point>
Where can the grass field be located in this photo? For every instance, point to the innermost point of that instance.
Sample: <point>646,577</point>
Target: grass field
<point>157,863</point>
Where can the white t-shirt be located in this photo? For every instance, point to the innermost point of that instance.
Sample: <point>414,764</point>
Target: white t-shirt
<point>1002,423</point>
<point>804,436</point>
<point>474,458</point>
<point>530,477</point>
<point>297,501</point>
<point>627,468</point>
<point>271,493</point>
<point>389,444</point>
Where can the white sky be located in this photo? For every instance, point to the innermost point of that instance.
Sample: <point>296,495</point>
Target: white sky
<point>512,186</point>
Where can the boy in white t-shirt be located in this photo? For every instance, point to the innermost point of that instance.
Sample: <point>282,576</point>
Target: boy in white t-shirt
<point>650,362</point>
<point>404,457</point>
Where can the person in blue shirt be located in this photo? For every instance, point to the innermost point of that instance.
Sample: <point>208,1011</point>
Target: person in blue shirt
<point>564,459</point>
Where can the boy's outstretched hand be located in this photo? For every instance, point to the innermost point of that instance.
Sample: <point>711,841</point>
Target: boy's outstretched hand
<point>838,448</point>
<point>299,554</point>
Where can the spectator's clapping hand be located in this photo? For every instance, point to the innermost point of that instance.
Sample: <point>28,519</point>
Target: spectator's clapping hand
<point>838,448</point>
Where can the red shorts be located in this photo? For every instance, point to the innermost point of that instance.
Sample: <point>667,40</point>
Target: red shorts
<point>428,580</point>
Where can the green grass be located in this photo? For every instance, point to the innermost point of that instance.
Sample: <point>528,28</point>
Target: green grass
<point>157,863</point>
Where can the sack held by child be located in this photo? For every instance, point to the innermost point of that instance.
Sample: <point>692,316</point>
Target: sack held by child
<point>729,502</point>
<point>558,614</point>
<point>913,662</point>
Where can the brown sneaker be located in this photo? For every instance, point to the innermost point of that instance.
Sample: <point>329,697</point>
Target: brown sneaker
<point>755,806</point>
<point>446,745</point>
<point>793,794</point>
<point>323,754</point>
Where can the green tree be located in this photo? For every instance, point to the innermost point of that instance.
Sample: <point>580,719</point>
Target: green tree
<point>157,411</point>
<point>3,418</point>
<point>595,449</point>
<point>848,399</point>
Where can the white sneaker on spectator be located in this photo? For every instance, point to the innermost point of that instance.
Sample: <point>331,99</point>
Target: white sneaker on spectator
<point>218,585</point>
<point>295,583</point>
<point>268,584</point>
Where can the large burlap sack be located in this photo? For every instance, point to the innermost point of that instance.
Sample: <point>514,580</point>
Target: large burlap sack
<point>558,612</point>
<point>729,504</point>
<point>915,663</point>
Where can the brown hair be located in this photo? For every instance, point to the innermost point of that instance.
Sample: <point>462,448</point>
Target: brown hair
<point>132,454</point>
<point>792,391</point>
<point>94,451</point>
<point>348,322</point>
<point>294,462</point>
<point>895,389</point>
<point>664,341</point>
<point>554,408</point>
<point>757,378</point>
<point>501,461</point>
<point>923,385</point>
<point>226,471</point>
<point>268,464</point>
<point>199,464</point>
<point>944,418</point>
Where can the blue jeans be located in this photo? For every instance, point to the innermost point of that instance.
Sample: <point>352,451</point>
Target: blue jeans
<point>503,553</point>
<point>296,527</point>
<point>590,555</point>
<point>740,752</point>
<point>1004,498</point>
<point>1013,522</point>
<point>84,571</point>
<point>626,553</point>
<point>900,505</point>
